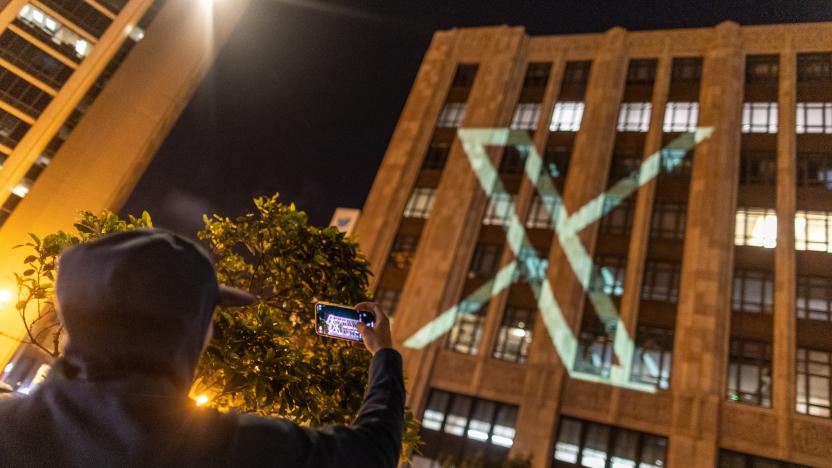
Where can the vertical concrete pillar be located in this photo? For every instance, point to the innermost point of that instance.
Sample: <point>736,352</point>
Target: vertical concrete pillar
<point>703,317</point>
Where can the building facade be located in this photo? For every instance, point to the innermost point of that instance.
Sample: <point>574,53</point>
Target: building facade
<point>717,269</point>
<point>88,91</point>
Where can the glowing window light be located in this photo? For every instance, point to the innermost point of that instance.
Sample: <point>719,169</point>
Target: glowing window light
<point>21,190</point>
<point>567,116</point>
<point>756,227</point>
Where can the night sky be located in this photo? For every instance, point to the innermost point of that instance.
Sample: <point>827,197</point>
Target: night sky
<point>305,96</point>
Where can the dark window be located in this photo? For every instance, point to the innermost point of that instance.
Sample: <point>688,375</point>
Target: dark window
<point>668,220</point>
<point>388,300</point>
<point>31,59</point>
<point>608,274</point>
<point>762,69</point>
<point>686,69</point>
<point>814,67</point>
<point>513,160</point>
<point>113,5</point>
<point>486,260</point>
<point>403,251</point>
<point>436,157</point>
<point>814,382</point>
<point>537,74</point>
<point>624,165</point>
<point>23,95</point>
<point>586,443</point>
<point>556,161</point>
<point>814,169</point>
<point>465,74</point>
<point>814,298</point>
<point>729,459</point>
<point>675,162</point>
<point>82,14</point>
<point>595,350</point>
<point>653,357</point>
<point>515,335</point>
<point>12,129</point>
<point>749,372</point>
<point>617,221</point>
<point>753,292</point>
<point>466,332</point>
<point>457,426</point>
<point>641,71</point>
<point>758,168</point>
<point>576,73</point>
<point>661,281</point>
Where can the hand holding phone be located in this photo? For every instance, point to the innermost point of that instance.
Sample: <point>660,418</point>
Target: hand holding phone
<point>378,337</point>
<point>365,322</point>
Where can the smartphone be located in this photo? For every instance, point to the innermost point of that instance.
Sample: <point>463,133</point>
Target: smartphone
<point>339,321</point>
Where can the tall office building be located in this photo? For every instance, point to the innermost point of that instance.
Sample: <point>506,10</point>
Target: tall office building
<point>88,91</point>
<point>692,318</point>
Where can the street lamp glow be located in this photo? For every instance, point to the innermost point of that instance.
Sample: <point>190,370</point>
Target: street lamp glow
<point>5,296</point>
<point>201,400</point>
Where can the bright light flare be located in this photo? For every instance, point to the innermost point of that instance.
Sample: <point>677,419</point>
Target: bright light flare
<point>5,296</point>
<point>201,400</point>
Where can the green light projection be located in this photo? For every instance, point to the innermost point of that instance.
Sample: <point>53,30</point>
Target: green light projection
<point>533,269</point>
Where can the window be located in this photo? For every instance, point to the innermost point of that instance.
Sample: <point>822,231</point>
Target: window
<point>513,160</point>
<point>82,14</point>
<point>543,212</point>
<point>653,357</point>
<point>526,116</point>
<point>762,69</point>
<point>814,67</point>
<point>499,210</point>
<point>759,117</point>
<point>686,69</point>
<point>595,351</point>
<point>486,260</point>
<point>814,117</point>
<point>56,34</point>
<point>634,117</point>
<point>624,166</point>
<point>465,335</point>
<point>465,74</point>
<point>753,292</point>
<point>515,334</point>
<point>567,116</point>
<point>23,95</point>
<point>758,168</point>
<point>641,71</point>
<point>436,157</point>
<point>680,116</point>
<point>537,74</point>
<point>608,275</point>
<point>814,382</point>
<point>458,426</point>
<point>531,265</point>
<point>756,227</point>
<point>420,203</point>
<point>403,251</point>
<point>668,220</point>
<point>32,60</point>
<point>674,163</point>
<point>814,169</point>
<point>813,230</point>
<point>12,129</point>
<point>814,298</point>
<point>556,161</point>
<point>576,73</point>
<point>749,372</point>
<point>586,443</point>
<point>661,281</point>
<point>619,220</point>
<point>388,300</point>
<point>729,459</point>
<point>451,115</point>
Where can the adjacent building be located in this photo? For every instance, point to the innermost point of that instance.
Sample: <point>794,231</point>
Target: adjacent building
<point>718,268</point>
<point>88,91</point>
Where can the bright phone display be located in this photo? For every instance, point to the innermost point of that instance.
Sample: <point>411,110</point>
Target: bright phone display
<point>338,321</point>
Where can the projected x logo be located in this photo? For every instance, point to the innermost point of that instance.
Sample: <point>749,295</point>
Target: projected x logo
<point>566,226</point>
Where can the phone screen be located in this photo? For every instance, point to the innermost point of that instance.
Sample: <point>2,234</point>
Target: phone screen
<point>340,321</point>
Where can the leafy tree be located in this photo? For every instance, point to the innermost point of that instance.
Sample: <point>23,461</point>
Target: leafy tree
<point>264,358</point>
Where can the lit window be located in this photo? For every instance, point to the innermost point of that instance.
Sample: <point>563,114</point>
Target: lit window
<point>814,117</point>
<point>661,281</point>
<point>756,227</point>
<point>814,298</point>
<point>420,203</point>
<point>567,116</point>
<point>668,220</point>
<point>451,115</point>
<point>653,357</point>
<point>634,117</point>
<point>466,332</point>
<point>813,230</point>
<point>515,335</point>
<point>526,116</point>
<point>499,210</point>
<point>814,382</point>
<point>595,445</point>
<point>61,35</point>
<point>21,189</point>
<point>680,116</point>
<point>753,292</point>
<point>749,372</point>
<point>543,212</point>
<point>759,117</point>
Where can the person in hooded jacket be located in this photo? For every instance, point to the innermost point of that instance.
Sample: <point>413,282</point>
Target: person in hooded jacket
<point>137,309</point>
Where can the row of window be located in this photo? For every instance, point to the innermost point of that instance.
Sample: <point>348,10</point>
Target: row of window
<point>757,227</point>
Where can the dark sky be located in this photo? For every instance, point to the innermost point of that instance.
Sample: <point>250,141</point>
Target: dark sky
<point>304,97</point>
